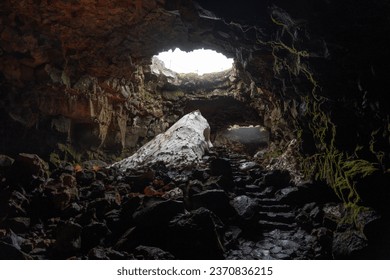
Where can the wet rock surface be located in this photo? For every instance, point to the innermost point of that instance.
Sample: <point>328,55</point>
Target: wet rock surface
<point>157,212</point>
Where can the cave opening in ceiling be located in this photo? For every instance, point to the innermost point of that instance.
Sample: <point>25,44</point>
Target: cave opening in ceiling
<point>199,61</point>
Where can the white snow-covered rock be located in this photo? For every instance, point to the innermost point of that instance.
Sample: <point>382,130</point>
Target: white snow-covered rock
<point>183,144</point>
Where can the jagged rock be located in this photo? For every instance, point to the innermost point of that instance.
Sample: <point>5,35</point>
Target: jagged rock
<point>17,205</point>
<point>349,244</point>
<point>216,201</point>
<point>10,252</point>
<point>68,239</point>
<point>140,179</point>
<point>152,253</point>
<point>28,167</point>
<point>182,144</point>
<point>94,165</point>
<point>85,177</point>
<point>62,192</point>
<point>100,253</point>
<point>8,236</point>
<point>277,178</point>
<point>174,194</point>
<point>245,206</point>
<point>288,195</point>
<point>220,167</point>
<point>157,212</point>
<point>196,235</point>
<point>245,166</point>
<point>93,234</point>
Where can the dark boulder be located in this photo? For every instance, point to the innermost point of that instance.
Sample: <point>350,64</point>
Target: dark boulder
<point>196,235</point>
<point>152,253</point>
<point>216,201</point>
<point>27,169</point>
<point>157,211</point>
<point>245,207</point>
<point>350,244</point>
<point>277,178</point>
<point>68,240</point>
<point>10,252</point>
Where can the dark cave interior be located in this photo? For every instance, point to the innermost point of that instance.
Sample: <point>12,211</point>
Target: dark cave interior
<point>300,127</point>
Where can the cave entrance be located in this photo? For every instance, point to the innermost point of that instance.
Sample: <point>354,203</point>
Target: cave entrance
<point>199,61</point>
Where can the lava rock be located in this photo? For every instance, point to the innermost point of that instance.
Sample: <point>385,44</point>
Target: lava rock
<point>152,253</point>
<point>19,224</point>
<point>221,167</point>
<point>8,236</point>
<point>196,235</point>
<point>10,252</point>
<point>98,253</point>
<point>157,212</point>
<point>184,143</point>
<point>68,239</point>
<point>350,244</point>
<point>216,201</point>
<point>288,195</point>
<point>231,237</point>
<point>246,166</point>
<point>277,178</point>
<point>27,168</point>
<point>85,177</point>
<point>94,165</point>
<point>245,206</point>
<point>93,235</point>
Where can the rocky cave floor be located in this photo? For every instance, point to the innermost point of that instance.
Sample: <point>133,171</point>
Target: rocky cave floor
<point>227,207</point>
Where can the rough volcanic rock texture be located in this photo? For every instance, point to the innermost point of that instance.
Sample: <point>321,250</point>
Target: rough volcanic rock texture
<point>183,144</point>
<point>75,77</point>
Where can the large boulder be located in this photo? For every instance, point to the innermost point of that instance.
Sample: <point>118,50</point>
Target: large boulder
<point>183,144</point>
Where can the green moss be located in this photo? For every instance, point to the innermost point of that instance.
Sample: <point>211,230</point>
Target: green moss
<point>339,169</point>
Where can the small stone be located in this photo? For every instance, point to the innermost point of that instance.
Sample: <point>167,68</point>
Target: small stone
<point>97,253</point>
<point>348,244</point>
<point>282,256</point>
<point>174,194</point>
<point>276,250</point>
<point>246,166</point>
<point>153,253</point>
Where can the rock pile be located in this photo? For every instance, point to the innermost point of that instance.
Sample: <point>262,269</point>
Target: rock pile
<point>176,198</point>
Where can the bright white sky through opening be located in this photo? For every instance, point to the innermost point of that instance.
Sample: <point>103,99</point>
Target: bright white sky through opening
<point>198,61</point>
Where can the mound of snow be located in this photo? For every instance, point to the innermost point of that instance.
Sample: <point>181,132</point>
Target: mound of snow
<point>183,144</point>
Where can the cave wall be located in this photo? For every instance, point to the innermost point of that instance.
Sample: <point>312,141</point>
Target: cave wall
<point>75,77</point>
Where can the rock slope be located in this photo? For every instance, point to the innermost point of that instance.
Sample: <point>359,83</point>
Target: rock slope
<point>183,144</point>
